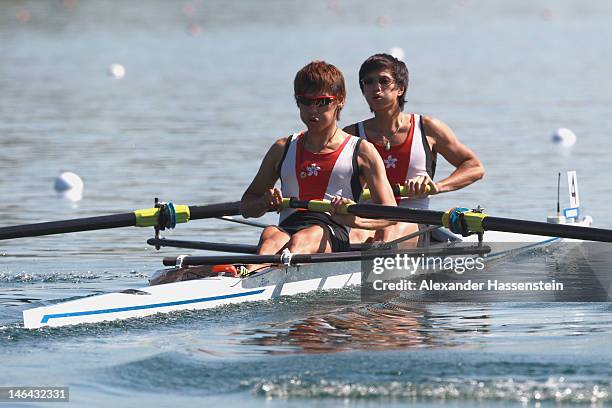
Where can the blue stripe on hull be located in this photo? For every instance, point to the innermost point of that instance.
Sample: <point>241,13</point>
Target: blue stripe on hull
<point>46,318</point>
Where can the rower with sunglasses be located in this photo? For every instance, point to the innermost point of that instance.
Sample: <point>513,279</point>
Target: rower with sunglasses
<point>321,162</point>
<point>408,143</point>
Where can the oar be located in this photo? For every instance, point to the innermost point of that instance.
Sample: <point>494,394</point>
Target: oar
<point>295,259</point>
<point>235,248</point>
<point>207,246</point>
<point>469,221</point>
<point>244,222</point>
<point>399,190</point>
<point>148,217</point>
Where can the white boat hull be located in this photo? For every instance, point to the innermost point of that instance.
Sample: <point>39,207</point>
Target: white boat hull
<point>193,295</point>
<point>216,291</point>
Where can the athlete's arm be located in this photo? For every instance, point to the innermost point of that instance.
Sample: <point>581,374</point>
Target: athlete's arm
<point>468,168</point>
<point>372,167</point>
<point>261,195</point>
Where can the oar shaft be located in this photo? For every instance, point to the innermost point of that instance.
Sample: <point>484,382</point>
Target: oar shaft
<point>327,257</point>
<point>376,211</point>
<point>207,246</point>
<point>74,225</point>
<point>263,259</point>
<point>372,211</point>
<point>198,212</point>
<point>488,223</point>
<point>546,229</point>
<point>475,221</point>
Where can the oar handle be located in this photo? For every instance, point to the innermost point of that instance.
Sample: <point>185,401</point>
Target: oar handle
<point>399,190</point>
<point>325,205</point>
<point>315,205</point>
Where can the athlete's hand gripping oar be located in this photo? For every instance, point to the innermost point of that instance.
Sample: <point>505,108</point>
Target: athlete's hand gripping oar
<point>149,217</point>
<point>459,220</point>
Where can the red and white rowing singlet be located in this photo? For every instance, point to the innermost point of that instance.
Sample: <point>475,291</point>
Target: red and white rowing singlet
<point>316,176</point>
<point>407,160</point>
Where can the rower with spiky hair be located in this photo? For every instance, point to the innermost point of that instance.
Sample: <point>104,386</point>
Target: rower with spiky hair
<point>321,162</point>
<point>408,142</point>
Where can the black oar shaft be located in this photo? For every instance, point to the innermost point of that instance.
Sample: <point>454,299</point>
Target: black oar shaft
<point>74,225</point>
<point>377,211</point>
<point>326,257</point>
<point>489,223</point>
<point>264,259</point>
<point>476,222</point>
<point>198,212</point>
<point>397,213</point>
<point>547,229</point>
<point>208,246</point>
<point>221,247</point>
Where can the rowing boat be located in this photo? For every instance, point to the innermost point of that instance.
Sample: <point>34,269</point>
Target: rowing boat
<point>289,274</point>
<point>269,283</point>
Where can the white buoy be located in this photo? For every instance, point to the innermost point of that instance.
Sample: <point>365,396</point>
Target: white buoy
<point>117,71</point>
<point>397,52</point>
<point>564,137</point>
<point>69,185</point>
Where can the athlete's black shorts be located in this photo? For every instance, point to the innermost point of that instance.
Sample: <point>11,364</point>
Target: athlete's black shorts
<point>338,234</point>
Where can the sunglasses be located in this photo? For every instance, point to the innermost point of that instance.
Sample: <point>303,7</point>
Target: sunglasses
<point>384,81</point>
<point>318,101</point>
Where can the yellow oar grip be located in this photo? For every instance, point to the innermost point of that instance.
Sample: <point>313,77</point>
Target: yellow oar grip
<point>398,190</point>
<point>148,217</point>
<point>318,206</point>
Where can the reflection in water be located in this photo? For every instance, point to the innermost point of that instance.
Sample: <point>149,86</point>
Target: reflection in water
<point>396,324</point>
<point>585,268</point>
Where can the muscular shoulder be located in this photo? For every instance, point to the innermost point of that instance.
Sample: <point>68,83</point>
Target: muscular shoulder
<point>279,146</point>
<point>367,153</point>
<point>437,129</point>
<point>275,152</point>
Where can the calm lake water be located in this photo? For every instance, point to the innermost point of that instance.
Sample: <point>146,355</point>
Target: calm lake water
<point>208,88</point>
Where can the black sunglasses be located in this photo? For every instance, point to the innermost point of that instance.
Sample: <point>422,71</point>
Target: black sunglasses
<point>384,81</point>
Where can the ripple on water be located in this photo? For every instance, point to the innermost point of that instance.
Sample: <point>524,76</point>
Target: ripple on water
<point>430,375</point>
<point>554,389</point>
<point>24,277</point>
